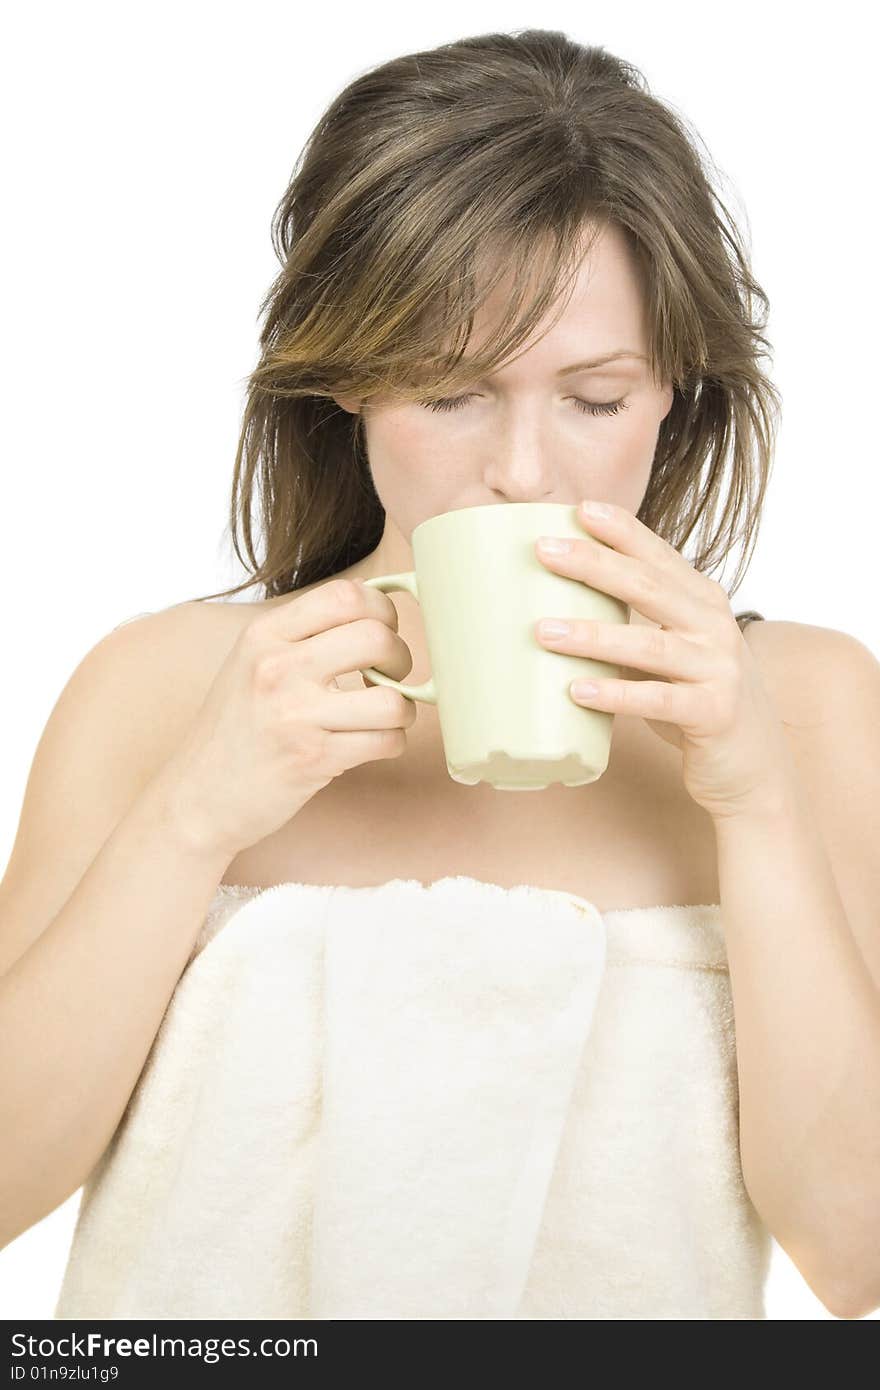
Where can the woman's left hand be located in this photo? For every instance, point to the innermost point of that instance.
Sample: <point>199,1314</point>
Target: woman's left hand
<point>711,702</point>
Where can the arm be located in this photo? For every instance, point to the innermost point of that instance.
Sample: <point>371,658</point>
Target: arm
<point>80,1009</point>
<point>780,744</point>
<point>108,884</point>
<point>802,929</point>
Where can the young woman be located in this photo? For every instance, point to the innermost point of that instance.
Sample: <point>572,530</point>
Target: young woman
<point>327,1034</point>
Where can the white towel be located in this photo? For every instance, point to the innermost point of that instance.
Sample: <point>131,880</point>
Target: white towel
<point>438,1101</point>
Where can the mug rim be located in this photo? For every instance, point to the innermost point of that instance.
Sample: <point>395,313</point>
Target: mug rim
<point>492,507</point>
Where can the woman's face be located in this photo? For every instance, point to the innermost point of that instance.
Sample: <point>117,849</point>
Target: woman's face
<point>521,434</point>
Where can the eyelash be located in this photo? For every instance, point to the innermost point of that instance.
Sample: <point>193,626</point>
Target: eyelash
<point>586,407</point>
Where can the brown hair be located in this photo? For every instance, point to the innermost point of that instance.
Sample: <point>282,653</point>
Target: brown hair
<point>493,153</point>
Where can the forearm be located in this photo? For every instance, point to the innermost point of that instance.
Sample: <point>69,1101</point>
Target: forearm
<point>79,1010</point>
<point>807,1018</point>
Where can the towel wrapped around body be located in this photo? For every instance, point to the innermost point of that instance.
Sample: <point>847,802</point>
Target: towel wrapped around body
<point>440,1101</point>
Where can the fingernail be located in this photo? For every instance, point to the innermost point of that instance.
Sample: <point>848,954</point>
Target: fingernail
<point>549,627</point>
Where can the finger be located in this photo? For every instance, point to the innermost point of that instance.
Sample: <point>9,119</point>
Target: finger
<point>672,599</point>
<point>625,533</point>
<point>645,570</point>
<point>351,748</point>
<point>325,606</point>
<point>355,646</point>
<point>677,704</point>
<point>375,707</point>
<point>634,646</point>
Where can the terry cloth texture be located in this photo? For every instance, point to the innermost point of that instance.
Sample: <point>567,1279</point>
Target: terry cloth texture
<point>431,1101</point>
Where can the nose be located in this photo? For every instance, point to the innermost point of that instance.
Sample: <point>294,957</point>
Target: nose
<point>519,469</point>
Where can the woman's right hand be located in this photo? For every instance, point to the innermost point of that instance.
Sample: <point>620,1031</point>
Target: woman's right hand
<point>272,729</point>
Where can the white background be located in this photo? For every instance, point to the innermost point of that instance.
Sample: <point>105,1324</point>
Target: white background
<point>146,147</point>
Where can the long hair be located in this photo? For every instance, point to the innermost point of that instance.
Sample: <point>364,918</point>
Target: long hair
<point>428,180</point>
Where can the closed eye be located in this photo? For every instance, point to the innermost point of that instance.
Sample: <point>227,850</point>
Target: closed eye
<point>586,407</point>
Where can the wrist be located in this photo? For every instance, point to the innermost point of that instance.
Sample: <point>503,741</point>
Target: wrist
<point>776,799</point>
<point>171,801</point>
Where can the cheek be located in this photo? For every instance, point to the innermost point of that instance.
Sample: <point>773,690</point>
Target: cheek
<point>408,454</point>
<point>636,440</point>
<point>623,440</point>
<point>410,473</point>
<point>618,464</point>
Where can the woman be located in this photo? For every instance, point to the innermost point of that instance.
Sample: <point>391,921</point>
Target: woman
<point>415,1051</point>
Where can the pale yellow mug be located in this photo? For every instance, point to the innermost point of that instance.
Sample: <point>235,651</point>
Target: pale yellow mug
<point>506,715</point>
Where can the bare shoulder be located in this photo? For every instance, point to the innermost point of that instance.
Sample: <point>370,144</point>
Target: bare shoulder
<point>192,640</point>
<point>118,717</point>
<point>120,714</point>
<point>196,637</point>
<point>812,673</point>
<point>176,652</point>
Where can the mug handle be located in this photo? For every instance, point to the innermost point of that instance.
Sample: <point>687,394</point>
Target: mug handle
<point>385,583</point>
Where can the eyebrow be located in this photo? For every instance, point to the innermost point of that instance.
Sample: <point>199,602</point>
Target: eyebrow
<point>600,361</point>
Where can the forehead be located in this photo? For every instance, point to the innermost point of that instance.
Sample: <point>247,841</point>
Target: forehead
<point>604,308</point>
